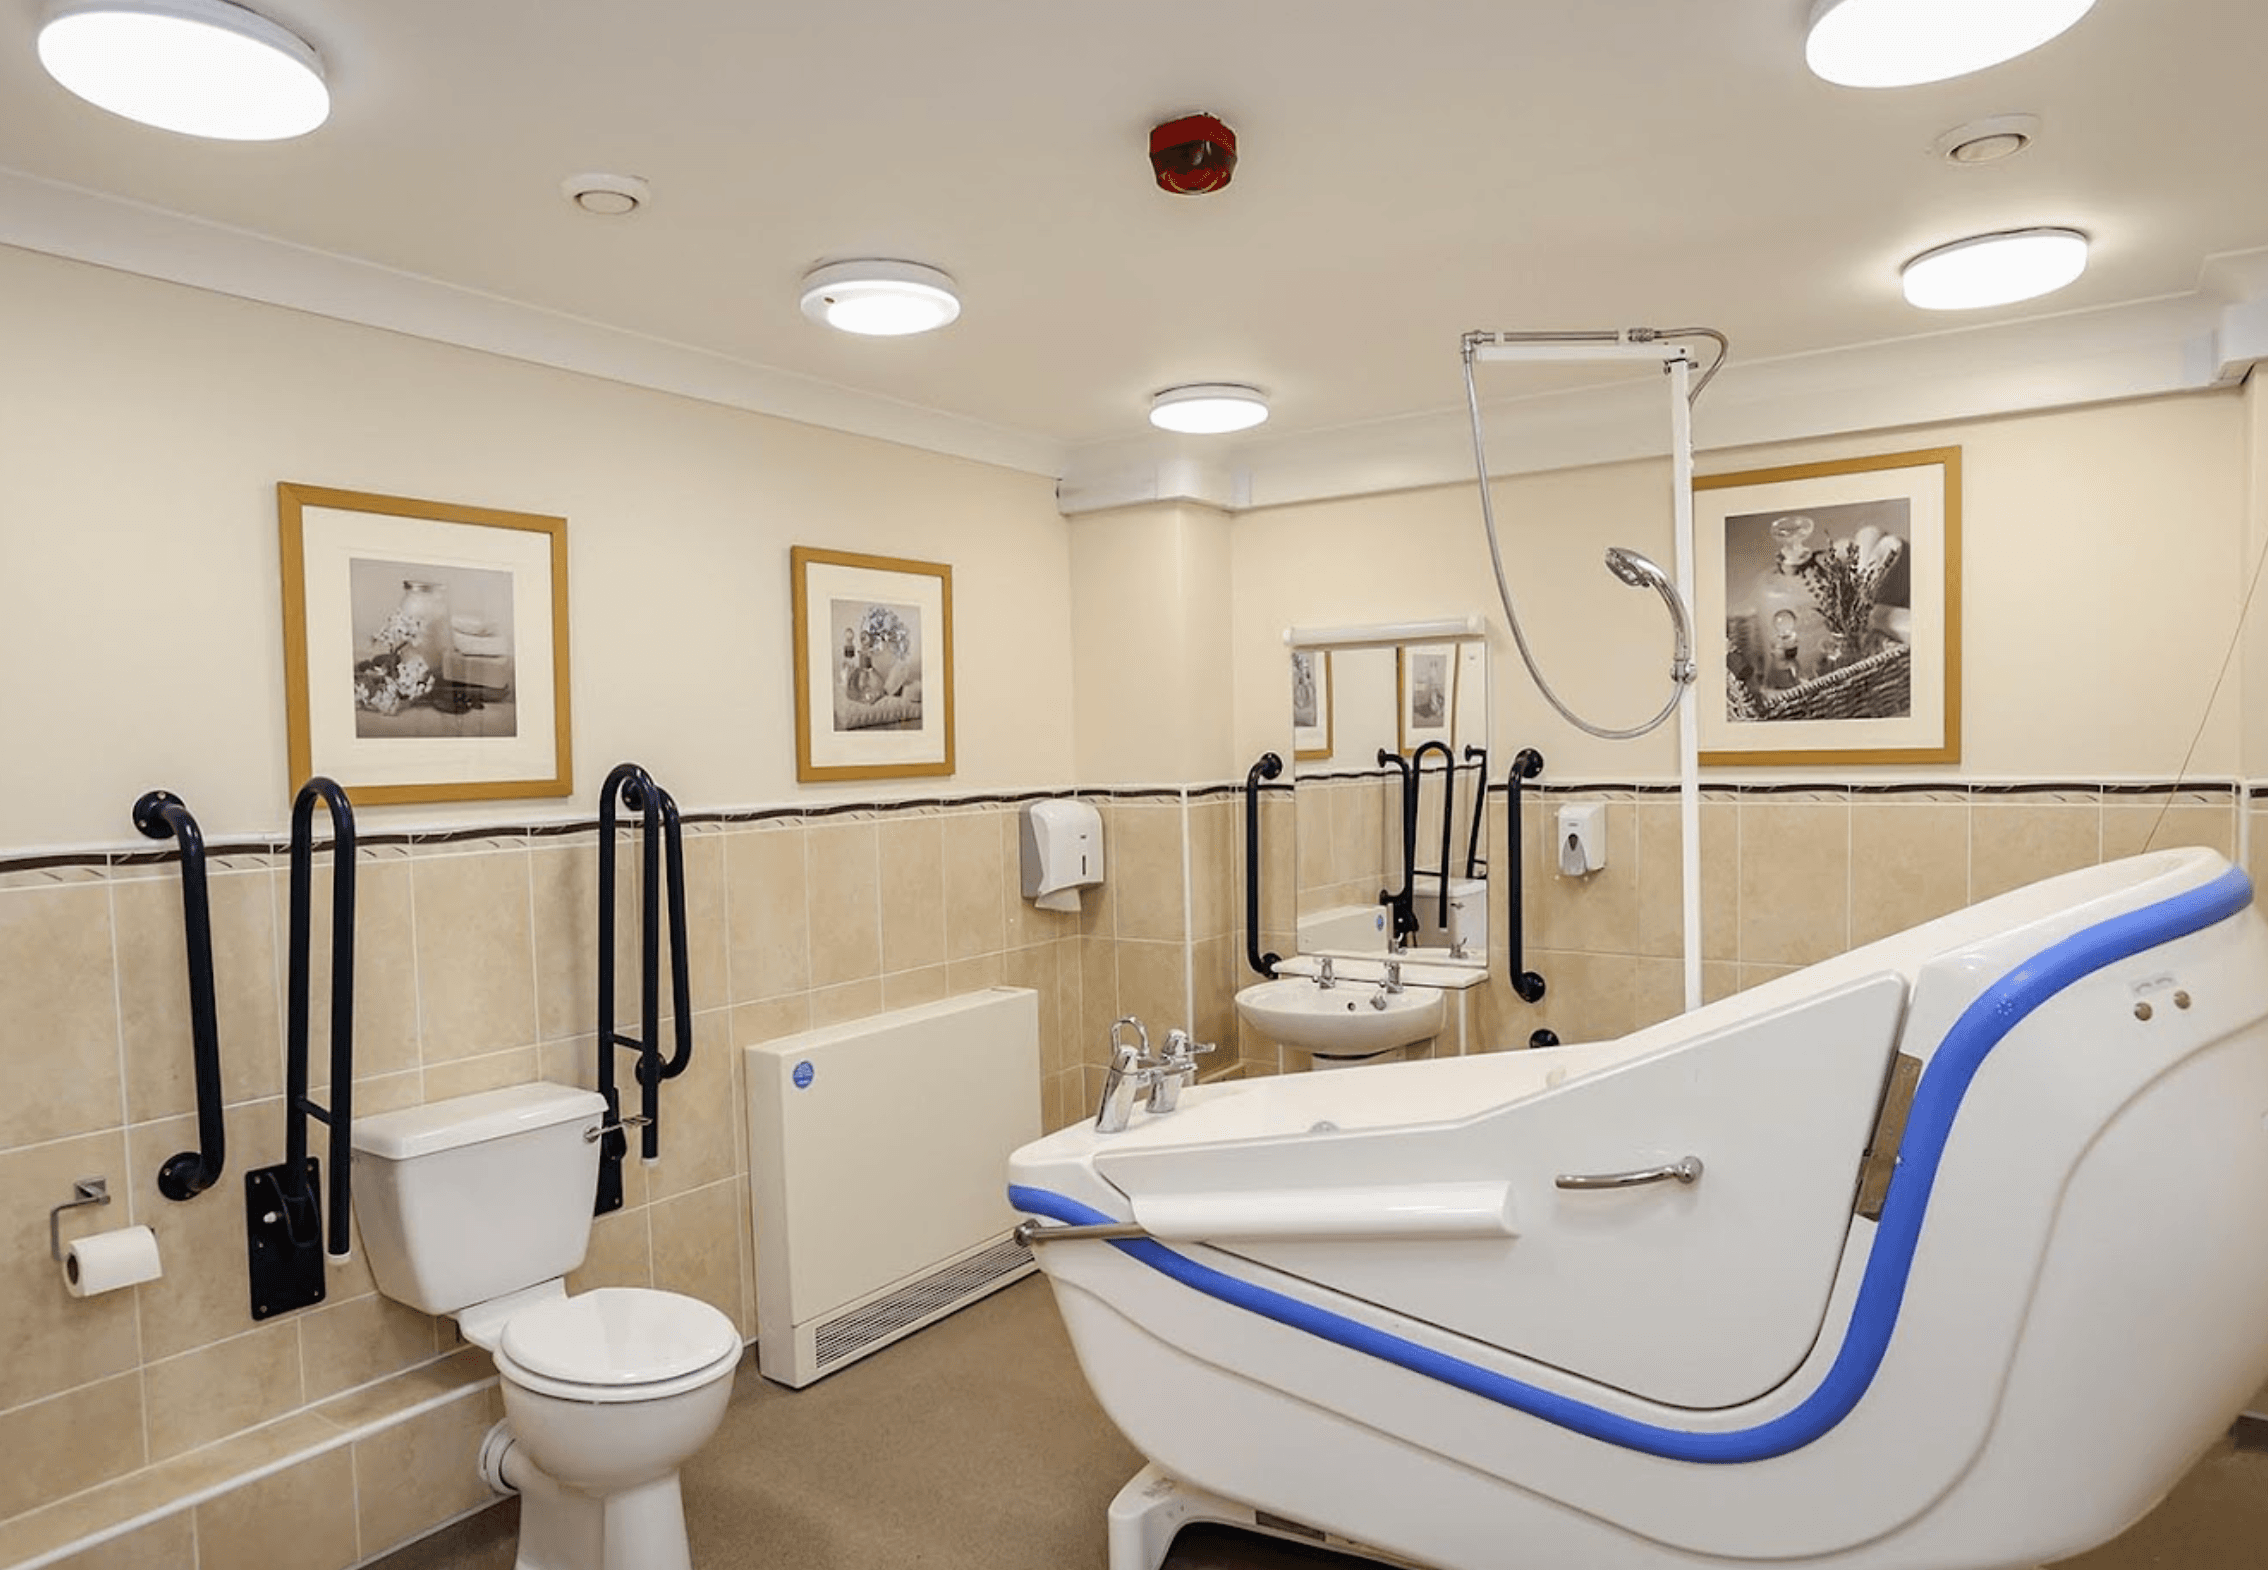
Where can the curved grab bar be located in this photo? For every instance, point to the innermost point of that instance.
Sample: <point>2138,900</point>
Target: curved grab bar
<point>1448,815</point>
<point>1403,904</point>
<point>338,1117</point>
<point>160,814</point>
<point>1267,768</point>
<point>1527,763</point>
<point>636,790</point>
<point>1480,807</point>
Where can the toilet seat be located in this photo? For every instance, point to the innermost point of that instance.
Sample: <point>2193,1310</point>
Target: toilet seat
<point>617,1344</point>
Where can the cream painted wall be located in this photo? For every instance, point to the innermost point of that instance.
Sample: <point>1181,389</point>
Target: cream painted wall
<point>2253,676</point>
<point>2099,573</point>
<point>1150,645</point>
<point>146,426</point>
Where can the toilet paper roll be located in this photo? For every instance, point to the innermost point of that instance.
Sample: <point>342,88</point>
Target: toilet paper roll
<point>106,1261</point>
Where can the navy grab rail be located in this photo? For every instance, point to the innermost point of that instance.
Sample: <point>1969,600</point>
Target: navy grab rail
<point>1527,763</point>
<point>664,838</point>
<point>1404,903</point>
<point>1448,813</point>
<point>162,815</point>
<point>338,1117</point>
<point>1473,868</point>
<point>1267,768</point>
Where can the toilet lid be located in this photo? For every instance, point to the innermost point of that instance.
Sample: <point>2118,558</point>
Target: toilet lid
<point>617,1336</point>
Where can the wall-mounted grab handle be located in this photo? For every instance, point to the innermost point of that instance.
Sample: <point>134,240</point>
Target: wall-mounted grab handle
<point>1267,768</point>
<point>1473,866</point>
<point>1685,1169</point>
<point>1403,903</point>
<point>339,1115</point>
<point>1527,763</point>
<point>1448,814</point>
<point>162,815</point>
<point>663,846</point>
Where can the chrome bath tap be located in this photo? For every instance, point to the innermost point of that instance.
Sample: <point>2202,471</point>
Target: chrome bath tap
<point>1134,1070</point>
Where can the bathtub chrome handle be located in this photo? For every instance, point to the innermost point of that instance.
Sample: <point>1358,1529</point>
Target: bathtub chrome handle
<point>1029,1233</point>
<point>1686,1169</point>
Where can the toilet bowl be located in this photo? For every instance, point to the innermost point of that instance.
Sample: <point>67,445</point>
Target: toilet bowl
<point>476,1208</point>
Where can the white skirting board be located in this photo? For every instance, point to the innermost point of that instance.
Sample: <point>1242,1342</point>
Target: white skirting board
<point>877,1173</point>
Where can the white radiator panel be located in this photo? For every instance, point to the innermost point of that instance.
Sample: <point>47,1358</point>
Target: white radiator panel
<point>877,1173</point>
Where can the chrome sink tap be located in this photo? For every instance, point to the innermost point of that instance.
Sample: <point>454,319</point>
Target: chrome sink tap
<point>1389,987</point>
<point>1326,978</point>
<point>1175,1071</point>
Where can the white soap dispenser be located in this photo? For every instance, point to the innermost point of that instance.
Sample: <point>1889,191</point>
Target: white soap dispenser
<point>1582,840</point>
<point>1063,852</point>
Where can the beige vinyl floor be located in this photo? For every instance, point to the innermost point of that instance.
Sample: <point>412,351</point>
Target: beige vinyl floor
<point>973,1445</point>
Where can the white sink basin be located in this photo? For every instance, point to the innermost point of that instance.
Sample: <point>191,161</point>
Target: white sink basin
<point>1346,1020</point>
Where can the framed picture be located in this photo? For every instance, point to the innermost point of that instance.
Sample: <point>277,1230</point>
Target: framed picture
<point>1426,674</point>
<point>873,666</point>
<point>1829,611</point>
<point>425,647</point>
<point>1311,712</point>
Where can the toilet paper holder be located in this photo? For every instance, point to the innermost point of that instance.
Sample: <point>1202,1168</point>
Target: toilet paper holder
<point>84,1191</point>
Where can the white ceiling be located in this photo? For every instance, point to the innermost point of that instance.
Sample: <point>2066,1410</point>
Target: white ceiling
<point>1408,172</point>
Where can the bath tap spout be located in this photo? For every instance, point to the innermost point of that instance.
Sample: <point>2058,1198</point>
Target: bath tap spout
<point>1127,1077</point>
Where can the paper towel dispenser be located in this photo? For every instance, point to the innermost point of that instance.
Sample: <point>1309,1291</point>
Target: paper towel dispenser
<point>1063,852</point>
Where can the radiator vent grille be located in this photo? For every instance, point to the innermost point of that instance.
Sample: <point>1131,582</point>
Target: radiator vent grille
<point>860,1331</point>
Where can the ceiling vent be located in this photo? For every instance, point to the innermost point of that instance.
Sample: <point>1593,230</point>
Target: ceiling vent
<point>1994,139</point>
<point>607,195</point>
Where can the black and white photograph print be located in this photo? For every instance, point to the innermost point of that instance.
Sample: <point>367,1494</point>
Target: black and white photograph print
<point>433,652</point>
<point>1828,611</point>
<point>1427,675</point>
<point>873,656</point>
<point>1312,714</point>
<point>877,665</point>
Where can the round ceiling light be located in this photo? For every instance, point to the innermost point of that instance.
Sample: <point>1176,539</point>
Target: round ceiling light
<point>1900,43</point>
<point>1208,408</point>
<point>879,299</point>
<point>200,67</point>
<point>1994,269</point>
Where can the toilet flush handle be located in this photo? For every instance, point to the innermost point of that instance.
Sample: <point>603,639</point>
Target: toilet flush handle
<point>599,1131</point>
<point>1686,1169</point>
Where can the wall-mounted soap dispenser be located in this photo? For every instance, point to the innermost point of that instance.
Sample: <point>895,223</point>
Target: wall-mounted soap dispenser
<point>1582,840</point>
<point>1063,852</point>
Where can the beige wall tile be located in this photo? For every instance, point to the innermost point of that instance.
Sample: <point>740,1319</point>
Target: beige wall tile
<point>1661,879</point>
<point>1098,908</point>
<point>1279,856</point>
<point>343,1345</point>
<point>1061,1034</point>
<point>2257,856</point>
<point>852,1000</point>
<point>1039,969</point>
<point>768,1021</point>
<point>767,926</point>
<point>298,1519</point>
<point>563,880</point>
<point>1795,881</point>
<point>389,1398</point>
<point>912,851</point>
<point>71,1441</point>
<point>707,947</point>
<point>475,954</point>
<point>57,989</point>
<point>167,1544</point>
<point>1583,998</point>
<point>976,911</point>
<point>845,903</point>
<point>1148,870</point>
<point>907,988</point>
<point>153,990</point>
<point>697,1240</point>
<point>50,1340</point>
<point>700,1109</point>
<point>1218,970</point>
<point>489,1071</point>
<point>620,1255</point>
<point>1153,986</point>
<point>1098,998</point>
<point>1746,976</point>
<point>1909,864</point>
<point>2130,828</point>
<point>211,1393</point>
<point>1315,848</point>
<point>2012,843</point>
<point>744,1228</point>
<point>1599,911</point>
<point>204,1295</point>
<point>385,968</point>
<point>415,1475</point>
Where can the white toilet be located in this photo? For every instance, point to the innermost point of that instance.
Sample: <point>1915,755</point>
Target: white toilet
<point>478,1207</point>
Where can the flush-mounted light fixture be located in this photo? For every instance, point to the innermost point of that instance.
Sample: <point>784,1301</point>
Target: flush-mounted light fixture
<point>200,67</point>
<point>879,299</point>
<point>1995,269</point>
<point>1899,43</point>
<point>1208,408</point>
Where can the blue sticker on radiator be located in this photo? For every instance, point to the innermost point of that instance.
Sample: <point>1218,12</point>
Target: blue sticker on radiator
<point>803,1075</point>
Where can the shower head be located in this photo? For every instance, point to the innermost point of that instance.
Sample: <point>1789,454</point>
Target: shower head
<point>1636,570</point>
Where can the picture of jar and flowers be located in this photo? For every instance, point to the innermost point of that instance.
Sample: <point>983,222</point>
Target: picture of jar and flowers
<point>877,665</point>
<point>1818,612</point>
<point>433,650</point>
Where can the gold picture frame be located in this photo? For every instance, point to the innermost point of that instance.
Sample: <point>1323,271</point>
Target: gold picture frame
<point>1314,716</point>
<point>873,666</point>
<point>1828,612</point>
<point>425,647</point>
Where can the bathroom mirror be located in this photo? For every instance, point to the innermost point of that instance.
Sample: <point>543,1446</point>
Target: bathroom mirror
<point>1366,704</point>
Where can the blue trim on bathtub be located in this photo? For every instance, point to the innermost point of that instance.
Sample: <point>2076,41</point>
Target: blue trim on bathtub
<point>1882,1289</point>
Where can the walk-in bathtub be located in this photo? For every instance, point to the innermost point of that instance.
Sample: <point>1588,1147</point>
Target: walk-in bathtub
<point>1948,1254</point>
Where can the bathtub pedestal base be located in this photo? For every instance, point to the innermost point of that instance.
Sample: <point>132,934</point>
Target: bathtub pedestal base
<point>1152,1508</point>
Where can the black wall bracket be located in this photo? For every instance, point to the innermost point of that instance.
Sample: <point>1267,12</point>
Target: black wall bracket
<point>283,1235</point>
